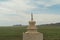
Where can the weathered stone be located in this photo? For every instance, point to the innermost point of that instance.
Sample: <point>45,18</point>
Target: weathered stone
<point>32,36</point>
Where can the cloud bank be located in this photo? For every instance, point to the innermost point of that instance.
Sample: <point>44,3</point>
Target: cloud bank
<point>18,11</point>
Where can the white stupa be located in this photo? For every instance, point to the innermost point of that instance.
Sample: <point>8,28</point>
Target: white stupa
<point>32,33</point>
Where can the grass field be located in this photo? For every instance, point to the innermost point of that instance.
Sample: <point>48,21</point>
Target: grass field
<point>15,33</point>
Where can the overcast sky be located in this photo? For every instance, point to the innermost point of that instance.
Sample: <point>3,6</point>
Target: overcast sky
<point>18,11</point>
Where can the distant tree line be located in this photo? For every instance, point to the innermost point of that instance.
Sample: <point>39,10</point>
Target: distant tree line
<point>51,24</point>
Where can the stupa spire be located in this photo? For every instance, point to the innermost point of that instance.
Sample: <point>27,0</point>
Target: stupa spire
<point>31,16</point>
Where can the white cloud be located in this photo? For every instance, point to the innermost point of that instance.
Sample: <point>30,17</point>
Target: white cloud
<point>46,3</point>
<point>47,18</point>
<point>52,2</point>
<point>14,12</point>
<point>24,18</point>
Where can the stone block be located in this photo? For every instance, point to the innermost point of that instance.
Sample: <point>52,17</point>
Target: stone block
<point>33,36</point>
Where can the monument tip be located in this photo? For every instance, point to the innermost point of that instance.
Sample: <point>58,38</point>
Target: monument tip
<point>31,16</point>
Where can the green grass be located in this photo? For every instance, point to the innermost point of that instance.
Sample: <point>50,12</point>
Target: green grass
<point>15,33</point>
<point>50,33</point>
